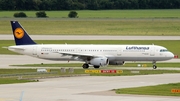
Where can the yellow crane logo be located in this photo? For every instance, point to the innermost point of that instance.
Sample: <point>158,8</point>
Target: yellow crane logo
<point>19,33</point>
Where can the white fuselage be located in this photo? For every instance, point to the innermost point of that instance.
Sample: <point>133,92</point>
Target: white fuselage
<point>112,52</point>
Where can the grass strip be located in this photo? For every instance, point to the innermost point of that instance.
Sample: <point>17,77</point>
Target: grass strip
<point>80,64</point>
<point>154,13</point>
<point>32,78</point>
<point>82,71</point>
<point>14,80</point>
<point>52,26</point>
<point>160,90</point>
<point>132,72</point>
<point>20,75</point>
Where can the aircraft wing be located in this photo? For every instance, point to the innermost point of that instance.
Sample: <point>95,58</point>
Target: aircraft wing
<point>76,54</point>
<point>79,56</point>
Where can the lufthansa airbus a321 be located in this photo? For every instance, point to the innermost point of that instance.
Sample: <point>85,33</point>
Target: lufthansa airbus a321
<point>95,55</point>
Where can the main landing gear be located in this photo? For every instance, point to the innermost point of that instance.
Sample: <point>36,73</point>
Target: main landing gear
<point>96,66</point>
<point>154,65</point>
<point>86,66</point>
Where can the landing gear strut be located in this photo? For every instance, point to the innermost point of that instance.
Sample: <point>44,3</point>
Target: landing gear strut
<point>154,65</point>
<point>85,66</point>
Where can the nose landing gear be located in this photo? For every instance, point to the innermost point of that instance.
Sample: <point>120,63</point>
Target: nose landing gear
<point>154,65</point>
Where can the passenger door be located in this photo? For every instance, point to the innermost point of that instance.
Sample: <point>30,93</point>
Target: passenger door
<point>34,50</point>
<point>119,51</point>
<point>152,53</point>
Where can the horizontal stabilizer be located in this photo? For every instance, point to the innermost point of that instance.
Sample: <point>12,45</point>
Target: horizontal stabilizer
<point>5,47</point>
<point>16,48</point>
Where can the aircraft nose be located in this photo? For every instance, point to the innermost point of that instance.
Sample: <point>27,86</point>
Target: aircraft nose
<point>171,55</point>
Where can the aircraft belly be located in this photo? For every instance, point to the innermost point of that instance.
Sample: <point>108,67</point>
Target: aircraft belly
<point>140,59</point>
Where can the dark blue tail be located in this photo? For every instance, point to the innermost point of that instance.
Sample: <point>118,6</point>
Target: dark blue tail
<point>21,37</point>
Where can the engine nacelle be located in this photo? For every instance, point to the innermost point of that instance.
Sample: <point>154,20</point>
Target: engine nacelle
<point>116,63</point>
<point>99,61</point>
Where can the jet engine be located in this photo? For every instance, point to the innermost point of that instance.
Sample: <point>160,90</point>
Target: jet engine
<point>116,63</point>
<point>99,61</point>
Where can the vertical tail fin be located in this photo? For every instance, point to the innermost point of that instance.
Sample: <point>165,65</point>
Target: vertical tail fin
<point>21,37</point>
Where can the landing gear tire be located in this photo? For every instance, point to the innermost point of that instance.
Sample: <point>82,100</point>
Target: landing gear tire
<point>85,66</point>
<point>96,66</point>
<point>154,66</point>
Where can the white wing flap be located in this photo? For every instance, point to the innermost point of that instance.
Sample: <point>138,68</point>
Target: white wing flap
<point>77,54</point>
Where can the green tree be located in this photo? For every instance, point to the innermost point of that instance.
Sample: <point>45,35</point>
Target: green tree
<point>72,14</point>
<point>93,5</point>
<point>20,14</point>
<point>78,6</point>
<point>36,4</point>
<point>106,4</point>
<point>41,14</point>
<point>7,5</point>
<point>87,4</point>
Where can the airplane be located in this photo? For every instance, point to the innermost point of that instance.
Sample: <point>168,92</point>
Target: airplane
<point>95,55</point>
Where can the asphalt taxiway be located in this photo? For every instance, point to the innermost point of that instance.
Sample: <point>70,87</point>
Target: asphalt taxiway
<point>87,88</point>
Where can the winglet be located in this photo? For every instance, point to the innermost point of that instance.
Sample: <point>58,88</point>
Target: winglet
<point>21,37</point>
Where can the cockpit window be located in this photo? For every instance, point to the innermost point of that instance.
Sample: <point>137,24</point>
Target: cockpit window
<point>163,50</point>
